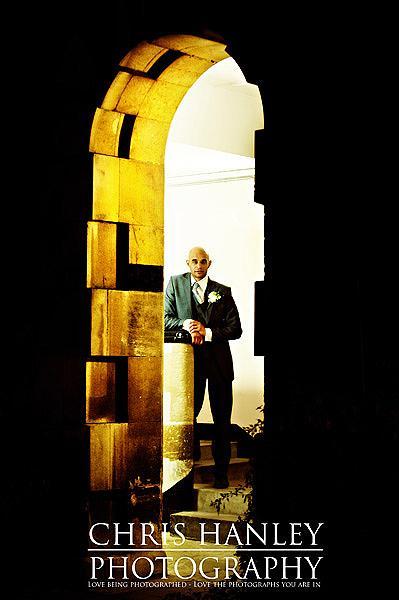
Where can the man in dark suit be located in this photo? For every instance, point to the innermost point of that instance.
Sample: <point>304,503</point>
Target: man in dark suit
<point>206,310</point>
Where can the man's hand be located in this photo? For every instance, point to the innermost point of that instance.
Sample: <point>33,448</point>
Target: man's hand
<point>187,323</point>
<point>196,338</point>
<point>196,326</point>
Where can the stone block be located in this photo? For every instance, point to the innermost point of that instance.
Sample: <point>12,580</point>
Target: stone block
<point>135,323</point>
<point>126,323</point>
<point>214,52</point>
<point>101,255</point>
<point>145,389</point>
<point>133,95</point>
<point>146,245</point>
<point>105,188</point>
<point>108,458</point>
<point>178,383</point>
<point>115,91</point>
<point>142,57</point>
<point>178,441</point>
<point>162,100</point>
<point>100,456</point>
<point>120,475</point>
<point>145,451</point>
<point>99,340</point>
<point>180,42</point>
<point>141,192</point>
<point>104,138</point>
<point>149,140</point>
<point>185,70</point>
<point>100,392</point>
<point>127,191</point>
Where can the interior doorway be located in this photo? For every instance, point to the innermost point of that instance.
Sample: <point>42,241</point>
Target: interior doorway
<point>209,202</point>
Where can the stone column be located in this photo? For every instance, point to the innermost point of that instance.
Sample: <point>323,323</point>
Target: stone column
<point>178,426</point>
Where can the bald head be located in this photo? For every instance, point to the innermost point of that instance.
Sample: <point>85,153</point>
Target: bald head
<point>198,262</point>
<point>197,250</point>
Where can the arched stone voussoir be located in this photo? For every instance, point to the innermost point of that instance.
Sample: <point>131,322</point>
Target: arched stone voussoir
<point>105,131</point>
<point>162,101</point>
<point>181,42</point>
<point>143,56</point>
<point>149,141</point>
<point>115,91</point>
<point>134,94</point>
<point>215,53</point>
<point>185,70</point>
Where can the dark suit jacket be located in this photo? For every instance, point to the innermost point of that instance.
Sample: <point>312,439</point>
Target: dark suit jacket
<point>220,316</point>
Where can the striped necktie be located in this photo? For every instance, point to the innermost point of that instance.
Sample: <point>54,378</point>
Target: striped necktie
<point>196,292</point>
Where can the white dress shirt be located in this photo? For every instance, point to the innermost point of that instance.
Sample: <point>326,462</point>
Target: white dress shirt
<point>202,283</point>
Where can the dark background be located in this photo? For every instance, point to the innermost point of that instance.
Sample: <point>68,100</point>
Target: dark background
<point>326,355</point>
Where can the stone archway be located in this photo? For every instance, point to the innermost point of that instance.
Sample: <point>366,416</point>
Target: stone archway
<point>125,253</point>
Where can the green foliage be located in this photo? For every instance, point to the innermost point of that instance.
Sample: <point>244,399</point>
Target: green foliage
<point>220,502</point>
<point>258,426</point>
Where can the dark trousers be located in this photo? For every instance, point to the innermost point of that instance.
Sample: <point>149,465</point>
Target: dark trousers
<point>221,401</point>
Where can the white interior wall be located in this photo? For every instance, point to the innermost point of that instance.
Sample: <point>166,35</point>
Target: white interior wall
<point>220,111</point>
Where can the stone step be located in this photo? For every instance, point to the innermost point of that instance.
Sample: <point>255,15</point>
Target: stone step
<point>235,504</point>
<point>206,449</point>
<point>238,468</point>
<point>210,521</point>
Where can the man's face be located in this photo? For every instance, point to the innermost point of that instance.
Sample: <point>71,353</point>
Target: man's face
<point>198,262</point>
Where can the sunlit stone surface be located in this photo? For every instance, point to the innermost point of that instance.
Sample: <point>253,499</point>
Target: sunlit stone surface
<point>101,251</point>
<point>178,413</point>
<point>128,138</point>
<point>100,392</point>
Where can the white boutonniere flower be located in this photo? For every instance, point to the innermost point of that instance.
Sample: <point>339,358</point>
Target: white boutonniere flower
<point>214,297</point>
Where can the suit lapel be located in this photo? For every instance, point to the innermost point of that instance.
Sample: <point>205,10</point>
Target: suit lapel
<point>211,287</point>
<point>187,290</point>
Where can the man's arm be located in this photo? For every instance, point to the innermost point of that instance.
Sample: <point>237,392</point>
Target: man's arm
<point>171,319</point>
<point>230,325</point>
<point>170,313</point>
